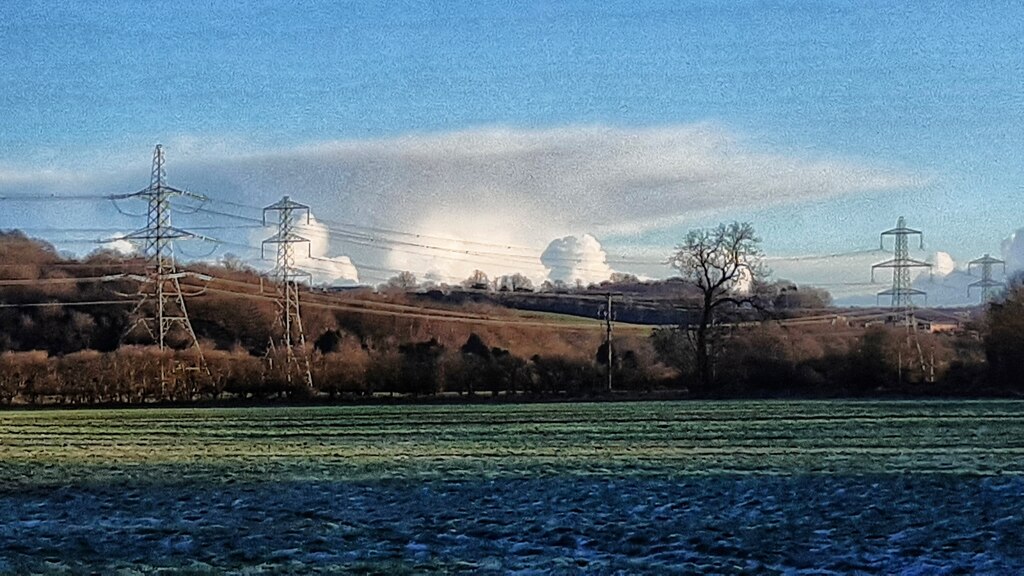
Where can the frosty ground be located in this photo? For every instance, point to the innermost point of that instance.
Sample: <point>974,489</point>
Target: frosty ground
<point>641,488</point>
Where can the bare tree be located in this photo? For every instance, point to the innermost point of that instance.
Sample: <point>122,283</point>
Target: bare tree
<point>723,263</point>
<point>623,278</point>
<point>515,283</point>
<point>477,281</point>
<point>403,281</point>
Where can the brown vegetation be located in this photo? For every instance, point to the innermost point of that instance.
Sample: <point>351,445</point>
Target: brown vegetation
<point>61,341</point>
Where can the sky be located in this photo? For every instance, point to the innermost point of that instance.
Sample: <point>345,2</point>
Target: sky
<point>594,133</point>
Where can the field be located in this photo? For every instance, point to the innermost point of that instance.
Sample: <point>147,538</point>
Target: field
<point>661,488</point>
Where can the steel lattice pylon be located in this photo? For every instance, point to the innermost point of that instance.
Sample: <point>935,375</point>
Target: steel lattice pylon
<point>293,339</point>
<point>161,308</point>
<point>986,283</point>
<point>902,292</point>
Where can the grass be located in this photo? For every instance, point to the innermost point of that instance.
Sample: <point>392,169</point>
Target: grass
<point>44,448</point>
<point>581,321</point>
<point>666,487</point>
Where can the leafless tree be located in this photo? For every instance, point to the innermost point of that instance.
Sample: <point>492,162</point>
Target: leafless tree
<point>723,263</point>
<point>402,281</point>
<point>477,281</point>
<point>515,283</point>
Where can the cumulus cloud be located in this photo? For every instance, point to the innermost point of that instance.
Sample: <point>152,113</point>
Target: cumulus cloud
<point>123,247</point>
<point>318,261</point>
<point>1013,251</point>
<point>576,258</point>
<point>474,192</point>
<point>945,283</point>
<point>942,263</point>
<point>948,283</point>
<point>449,250</point>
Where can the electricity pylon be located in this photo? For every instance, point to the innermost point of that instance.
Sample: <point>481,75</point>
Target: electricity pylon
<point>902,292</point>
<point>161,308</point>
<point>293,339</point>
<point>986,283</point>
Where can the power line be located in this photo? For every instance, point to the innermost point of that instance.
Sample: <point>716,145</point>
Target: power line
<point>360,231</point>
<point>52,197</point>
<point>832,256</point>
<point>430,316</point>
<point>46,281</point>
<point>49,304</point>
<point>392,245</point>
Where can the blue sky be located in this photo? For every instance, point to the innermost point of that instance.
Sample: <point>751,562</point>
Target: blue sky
<point>931,93</point>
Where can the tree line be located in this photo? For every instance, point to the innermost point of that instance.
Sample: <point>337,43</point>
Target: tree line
<point>67,354</point>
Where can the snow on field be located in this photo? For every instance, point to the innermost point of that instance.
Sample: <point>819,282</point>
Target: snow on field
<point>614,488</point>
<point>811,524</point>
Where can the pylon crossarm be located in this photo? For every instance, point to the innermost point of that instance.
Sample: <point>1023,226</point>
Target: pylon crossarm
<point>285,238</point>
<point>142,192</point>
<point>168,233</point>
<point>142,234</point>
<point>178,233</point>
<point>903,291</point>
<point>902,264</point>
<point>295,275</point>
<point>887,264</point>
<point>185,193</point>
<point>286,203</point>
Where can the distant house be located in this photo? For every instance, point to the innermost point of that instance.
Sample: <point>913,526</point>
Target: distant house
<point>939,325</point>
<point>940,320</point>
<point>933,320</point>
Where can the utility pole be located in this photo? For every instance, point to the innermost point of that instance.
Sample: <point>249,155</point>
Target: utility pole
<point>902,292</point>
<point>608,314</point>
<point>293,339</point>
<point>986,283</point>
<point>161,308</point>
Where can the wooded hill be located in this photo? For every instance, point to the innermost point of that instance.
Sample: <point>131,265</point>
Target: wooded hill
<point>63,325</point>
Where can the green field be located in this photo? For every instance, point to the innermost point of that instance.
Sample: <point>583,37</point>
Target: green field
<point>613,488</point>
<point>664,438</point>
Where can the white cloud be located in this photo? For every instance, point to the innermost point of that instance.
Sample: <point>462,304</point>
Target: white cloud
<point>942,263</point>
<point>538,183</point>
<point>317,260</point>
<point>123,247</point>
<point>1013,251</point>
<point>576,258</point>
<point>450,250</point>
<point>948,284</point>
<point>490,198</point>
<point>944,284</point>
